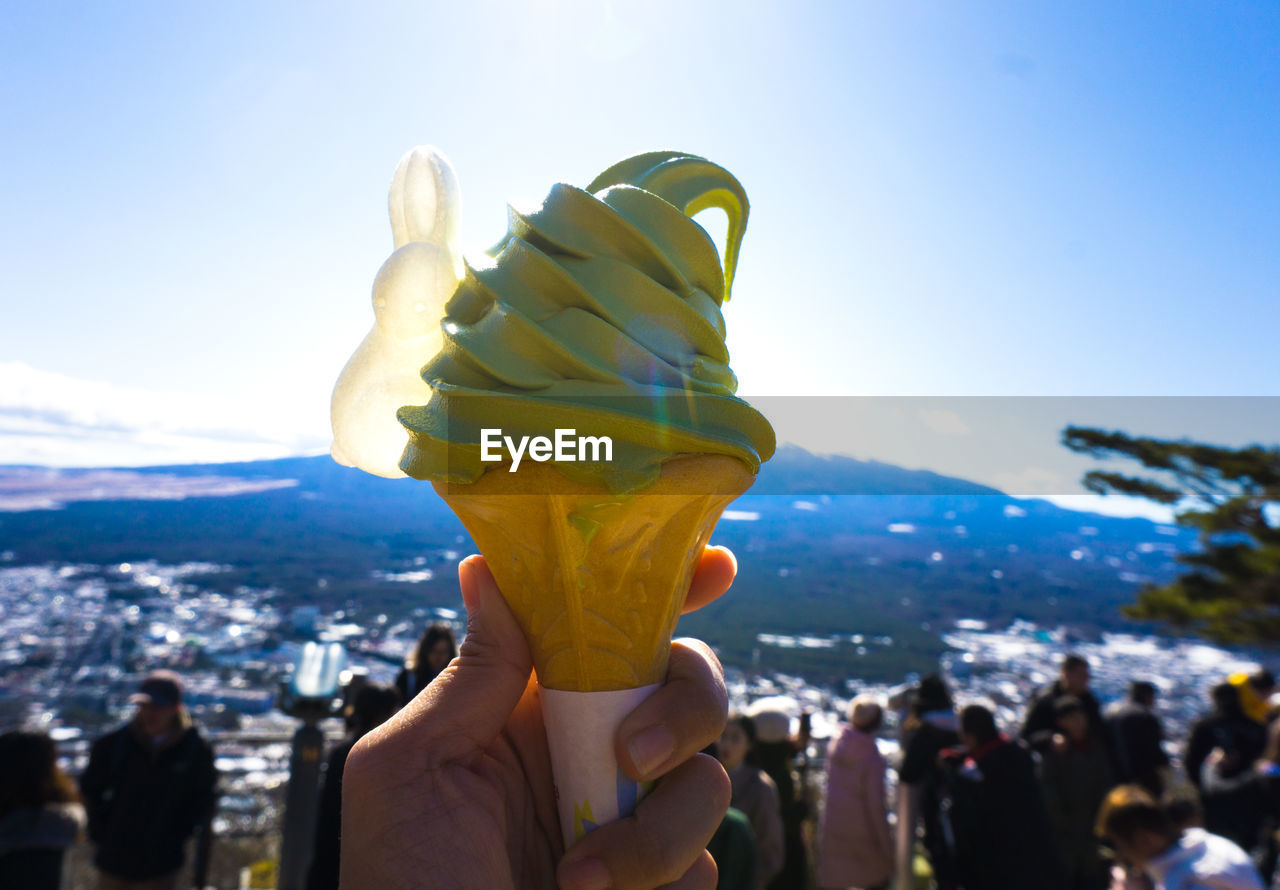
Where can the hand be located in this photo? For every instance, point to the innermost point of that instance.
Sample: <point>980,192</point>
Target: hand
<point>455,790</point>
<point>1060,743</point>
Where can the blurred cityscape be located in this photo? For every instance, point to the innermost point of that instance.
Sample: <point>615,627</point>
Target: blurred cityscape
<point>76,639</point>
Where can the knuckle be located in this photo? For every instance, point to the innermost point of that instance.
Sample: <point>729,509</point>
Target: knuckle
<point>694,660</point>
<point>362,757</point>
<point>690,648</point>
<point>479,647</point>
<point>704,874</point>
<point>719,788</point>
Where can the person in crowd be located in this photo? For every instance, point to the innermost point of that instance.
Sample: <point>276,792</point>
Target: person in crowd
<point>40,812</point>
<point>1002,834</point>
<point>478,742</point>
<point>1172,858</point>
<point>856,847</point>
<point>1075,781</point>
<point>1243,804</point>
<point>1225,728</point>
<point>733,847</point>
<point>1267,777</point>
<point>435,650</point>
<point>1039,729</point>
<point>148,787</point>
<point>1233,800</point>
<point>754,793</point>
<point>931,727</point>
<point>775,752</point>
<point>373,705</point>
<point>1138,739</point>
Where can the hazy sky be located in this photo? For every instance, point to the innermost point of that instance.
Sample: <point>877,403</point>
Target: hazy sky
<point>947,199</point>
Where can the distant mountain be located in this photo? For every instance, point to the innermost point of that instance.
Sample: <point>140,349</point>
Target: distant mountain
<point>845,566</point>
<point>793,470</point>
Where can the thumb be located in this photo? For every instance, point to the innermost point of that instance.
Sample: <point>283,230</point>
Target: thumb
<point>472,699</point>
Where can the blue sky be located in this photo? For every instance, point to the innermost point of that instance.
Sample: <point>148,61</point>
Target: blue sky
<point>947,199</point>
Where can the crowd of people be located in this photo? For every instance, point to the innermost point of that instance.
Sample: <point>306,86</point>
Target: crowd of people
<point>1076,798</point>
<point>150,786</point>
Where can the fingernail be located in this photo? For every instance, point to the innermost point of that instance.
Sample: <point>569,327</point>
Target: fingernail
<point>651,747</point>
<point>467,584</point>
<point>586,874</point>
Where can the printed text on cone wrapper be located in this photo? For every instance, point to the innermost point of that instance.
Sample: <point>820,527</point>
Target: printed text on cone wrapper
<point>566,447</point>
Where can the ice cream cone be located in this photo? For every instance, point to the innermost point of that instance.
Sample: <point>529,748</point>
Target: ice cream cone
<point>599,311</point>
<point>597,580</point>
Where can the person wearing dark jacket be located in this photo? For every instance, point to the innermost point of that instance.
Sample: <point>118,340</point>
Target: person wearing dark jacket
<point>1075,783</point>
<point>148,787</point>
<point>1003,837</point>
<point>1265,779</point>
<point>1138,739</point>
<point>1227,729</point>
<point>1039,730</point>
<point>374,704</point>
<point>932,726</point>
<point>733,847</point>
<point>1241,800</point>
<point>1235,801</point>
<point>40,812</point>
<point>774,751</point>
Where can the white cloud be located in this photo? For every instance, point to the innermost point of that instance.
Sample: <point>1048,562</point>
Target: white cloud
<point>50,419</point>
<point>944,422</point>
<point>1113,505</point>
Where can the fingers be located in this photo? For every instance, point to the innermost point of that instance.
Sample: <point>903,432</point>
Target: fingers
<point>662,842</point>
<point>715,572</point>
<point>469,703</point>
<point>682,717</point>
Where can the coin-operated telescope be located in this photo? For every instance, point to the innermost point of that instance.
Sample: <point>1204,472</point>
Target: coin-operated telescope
<point>311,693</point>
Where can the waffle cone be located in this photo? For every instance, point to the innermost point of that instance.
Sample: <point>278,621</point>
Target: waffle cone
<point>597,580</point>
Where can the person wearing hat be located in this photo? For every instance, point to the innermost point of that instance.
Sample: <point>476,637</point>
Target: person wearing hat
<point>148,787</point>
<point>774,750</point>
<point>856,846</point>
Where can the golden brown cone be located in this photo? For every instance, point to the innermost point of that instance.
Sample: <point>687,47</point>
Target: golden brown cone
<point>597,580</point>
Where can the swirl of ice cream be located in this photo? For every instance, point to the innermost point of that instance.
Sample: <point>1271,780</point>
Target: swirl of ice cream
<point>599,312</point>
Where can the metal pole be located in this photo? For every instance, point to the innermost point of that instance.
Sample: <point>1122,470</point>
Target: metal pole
<point>301,797</point>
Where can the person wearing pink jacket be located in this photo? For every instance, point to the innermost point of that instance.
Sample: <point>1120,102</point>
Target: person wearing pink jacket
<point>856,846</point>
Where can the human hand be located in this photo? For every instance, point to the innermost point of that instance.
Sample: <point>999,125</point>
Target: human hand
<point>456,791</point>
<point>1060,743</point>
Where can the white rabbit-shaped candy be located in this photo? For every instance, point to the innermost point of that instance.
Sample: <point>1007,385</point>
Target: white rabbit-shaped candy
<point>409,294</point>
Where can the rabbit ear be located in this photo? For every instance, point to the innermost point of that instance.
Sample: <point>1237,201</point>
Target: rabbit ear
<point>424,200</point>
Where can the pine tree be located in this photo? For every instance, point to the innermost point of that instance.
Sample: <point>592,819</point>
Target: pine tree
<point>1231,589</point>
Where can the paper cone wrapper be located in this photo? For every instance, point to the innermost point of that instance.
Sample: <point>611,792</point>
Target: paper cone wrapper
<point>591,788</point>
